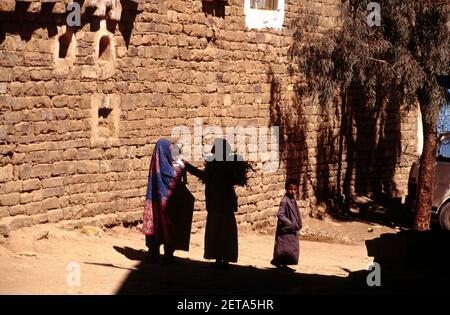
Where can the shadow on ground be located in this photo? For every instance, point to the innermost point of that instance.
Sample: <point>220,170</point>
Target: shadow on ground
<point>130,253</point>
<point>411,262</point>
<point>195,277</point>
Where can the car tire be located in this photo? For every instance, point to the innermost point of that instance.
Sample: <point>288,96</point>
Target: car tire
<point>444,216</point>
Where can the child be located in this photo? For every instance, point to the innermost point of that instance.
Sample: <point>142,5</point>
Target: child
<point>289,223</point>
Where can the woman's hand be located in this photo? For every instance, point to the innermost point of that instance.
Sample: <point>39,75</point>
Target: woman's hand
<point>181,163</point>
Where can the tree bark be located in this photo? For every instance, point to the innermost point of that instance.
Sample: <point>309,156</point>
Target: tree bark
<point>426,177</point>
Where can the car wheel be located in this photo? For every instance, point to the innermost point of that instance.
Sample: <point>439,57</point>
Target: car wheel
<point>444,216</point>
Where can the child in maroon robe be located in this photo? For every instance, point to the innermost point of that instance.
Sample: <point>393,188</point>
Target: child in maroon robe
<point>289,223</point>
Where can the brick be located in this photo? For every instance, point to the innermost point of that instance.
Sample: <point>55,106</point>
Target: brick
<point>6,173</point>
<point>33,196</point>
<point>11,187</point>
<point>40,219</point>
<point>33,208</point>
<point>37,59</point>
<point>8,5</point>
<point>16,210</point>
<point>76,212</point>
<point>55,216</point>
<point>52,182</point>
<point>158,52</point>
<point>20,221</point>
<point>5,75</point>
<point>25,171</point>
<point>88,72</point>
<point>196,30</point>
<point>9,199</point>
<point>41,75</point>
<point>120,165</point>
<point>3,133</point>
<point>75,125</point>
<point>64,168</point>
<point>42,171</point>
<point>60,100</point>
<point>51,203</point>
<point>23,128</point>
<point>70,154</point>
<point>33,88</point>
<point>13,117</point>
<point>53,192</point>
<point>31,184</point>
<point>43,146</point>
<point>88,167</point>
<point>8,59</point>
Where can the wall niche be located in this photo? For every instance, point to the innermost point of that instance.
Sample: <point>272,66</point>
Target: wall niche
<point>105,51</point>
<point>65,48</point>
<point>105,119</point>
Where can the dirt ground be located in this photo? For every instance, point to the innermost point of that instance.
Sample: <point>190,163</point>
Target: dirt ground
<point>47,260</point>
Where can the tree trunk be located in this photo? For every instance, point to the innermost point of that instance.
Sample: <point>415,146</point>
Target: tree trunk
<point>426,177</point>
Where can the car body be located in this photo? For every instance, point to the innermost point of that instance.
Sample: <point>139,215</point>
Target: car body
<point>441,186</point>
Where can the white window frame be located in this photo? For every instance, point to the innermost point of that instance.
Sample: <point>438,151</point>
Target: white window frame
<point>260,19</point>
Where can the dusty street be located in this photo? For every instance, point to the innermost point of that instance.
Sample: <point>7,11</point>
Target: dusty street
<point>45,259</point>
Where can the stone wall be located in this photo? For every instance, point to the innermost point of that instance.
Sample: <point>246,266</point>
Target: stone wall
<point>81,109</point>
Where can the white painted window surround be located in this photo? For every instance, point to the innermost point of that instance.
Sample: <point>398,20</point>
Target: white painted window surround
<point>260,19</point>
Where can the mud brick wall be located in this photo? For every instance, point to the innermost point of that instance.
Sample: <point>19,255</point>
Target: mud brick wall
<point>81,110</point>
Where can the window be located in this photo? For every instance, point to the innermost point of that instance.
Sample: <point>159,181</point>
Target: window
<point>264,14</point>
<point>264,4</point>
<point>214,8</point>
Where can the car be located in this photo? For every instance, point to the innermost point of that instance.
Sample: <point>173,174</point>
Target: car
<point>441,184</point>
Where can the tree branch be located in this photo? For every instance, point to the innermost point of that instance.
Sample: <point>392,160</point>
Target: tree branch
<point>378,60</point>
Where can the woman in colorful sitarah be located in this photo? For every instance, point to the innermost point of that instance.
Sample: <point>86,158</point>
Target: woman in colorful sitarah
<point>164,176</point>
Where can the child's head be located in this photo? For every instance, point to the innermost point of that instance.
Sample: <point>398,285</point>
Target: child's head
<point>291,187</point>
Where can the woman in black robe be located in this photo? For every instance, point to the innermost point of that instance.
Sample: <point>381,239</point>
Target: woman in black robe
<point>220,176</point>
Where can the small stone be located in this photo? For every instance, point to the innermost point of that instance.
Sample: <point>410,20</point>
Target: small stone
<point>28,254</point>
<point>42,235</point>
<point>92,231</point>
